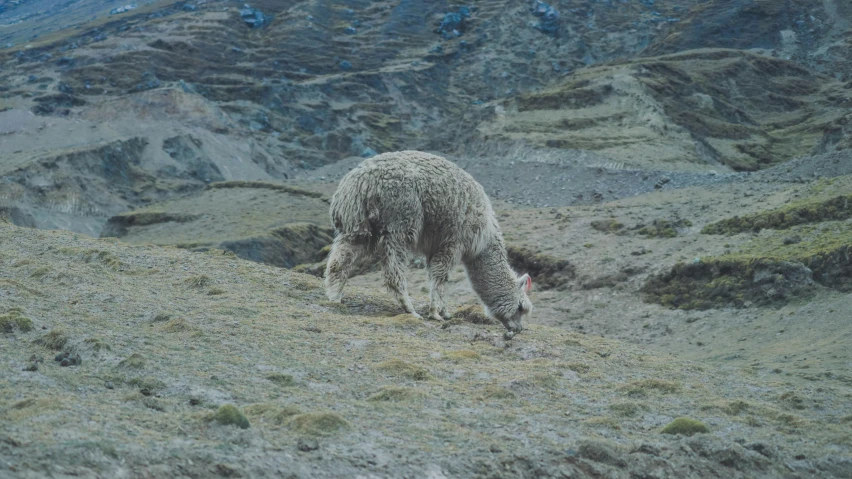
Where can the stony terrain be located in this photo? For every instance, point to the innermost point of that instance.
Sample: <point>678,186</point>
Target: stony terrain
<point>674,174</point>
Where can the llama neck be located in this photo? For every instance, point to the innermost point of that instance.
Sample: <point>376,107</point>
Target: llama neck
<point>492,278</point>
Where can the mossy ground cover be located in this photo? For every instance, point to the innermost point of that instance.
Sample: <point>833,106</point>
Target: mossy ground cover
<point>833,209</point>
<point>296,367</point>
<point>775,265</point>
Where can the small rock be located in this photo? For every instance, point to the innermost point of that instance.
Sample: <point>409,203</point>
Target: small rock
<point>345,65</point>
<point>794,239</point>
<point>253,17</point>
<point>307,445</point>
<point>31,367</point>
<point>109,385</point>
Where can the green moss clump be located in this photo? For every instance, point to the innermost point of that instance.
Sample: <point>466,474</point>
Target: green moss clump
<point>608,226</point>
<point>834,209</point>
<point>15,319</point>
<point>229,415</point>
<point>283,380</point>
<point>663,228</point>
<point>685,426</point>
<point>178,325</point>
<point>398,368</point>
<point>55,340</point>
<point>318,424</point>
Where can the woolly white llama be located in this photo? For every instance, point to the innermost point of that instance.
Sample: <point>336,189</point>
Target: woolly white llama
<point>396,203</point>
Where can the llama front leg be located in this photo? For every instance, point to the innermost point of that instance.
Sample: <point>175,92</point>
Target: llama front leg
<point>439,273</point>
<point>394,262</point>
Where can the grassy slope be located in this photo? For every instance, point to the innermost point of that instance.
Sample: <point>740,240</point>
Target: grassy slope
<point>169,328</point>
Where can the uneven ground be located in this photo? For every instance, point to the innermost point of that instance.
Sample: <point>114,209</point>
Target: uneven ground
<point>167,337</point>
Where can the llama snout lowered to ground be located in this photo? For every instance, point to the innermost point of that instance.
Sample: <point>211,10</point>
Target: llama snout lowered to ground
<point>408,201</point>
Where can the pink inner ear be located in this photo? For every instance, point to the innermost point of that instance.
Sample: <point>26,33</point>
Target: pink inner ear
<point>528,286</point>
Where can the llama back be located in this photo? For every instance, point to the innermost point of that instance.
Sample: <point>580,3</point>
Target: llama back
<point>432,198</point>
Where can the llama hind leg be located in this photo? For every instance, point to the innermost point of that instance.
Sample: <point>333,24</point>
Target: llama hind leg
<point>394,262</point>
<point>440,265</point>
<point>341,258</point>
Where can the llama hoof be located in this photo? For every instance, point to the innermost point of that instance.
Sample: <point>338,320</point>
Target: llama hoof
<point>446,315</point>
<point>436,317</point>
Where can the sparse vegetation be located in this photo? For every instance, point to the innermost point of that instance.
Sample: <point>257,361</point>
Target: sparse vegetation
<point>398,368</point>
<point>834,209</point>
<point>645,387</point>
<point>15,320</point>
<point>55,340</point>
<point>134,361</point>
<point>766,269</point>
<point>662,228</point>
<point>318,424</point>
<point>685,426</point>
<point>396,394</point>
<point>229,415</point>
<point>283,380</point>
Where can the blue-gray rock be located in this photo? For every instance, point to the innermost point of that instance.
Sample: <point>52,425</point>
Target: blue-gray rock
<point>253,17</point>
<point>368,153</point>
<point>454,23</point>
<point>187,7</point>
<point>548,17</point>
<point>351,30</point>
<point>345,65</point>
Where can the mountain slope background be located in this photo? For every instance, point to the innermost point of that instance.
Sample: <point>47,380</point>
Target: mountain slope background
<point>675,175</point>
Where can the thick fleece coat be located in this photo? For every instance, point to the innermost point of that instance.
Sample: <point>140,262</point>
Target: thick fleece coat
<point>409,201</point>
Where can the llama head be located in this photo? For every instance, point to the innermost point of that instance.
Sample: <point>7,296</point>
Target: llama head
<point>520,306</point>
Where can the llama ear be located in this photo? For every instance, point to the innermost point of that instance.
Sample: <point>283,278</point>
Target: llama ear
<point>525,283</point>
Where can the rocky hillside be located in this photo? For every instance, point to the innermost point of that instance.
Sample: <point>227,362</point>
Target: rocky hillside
<point>216,91</point>
<point>674,174</point>
<point>146,361</point>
